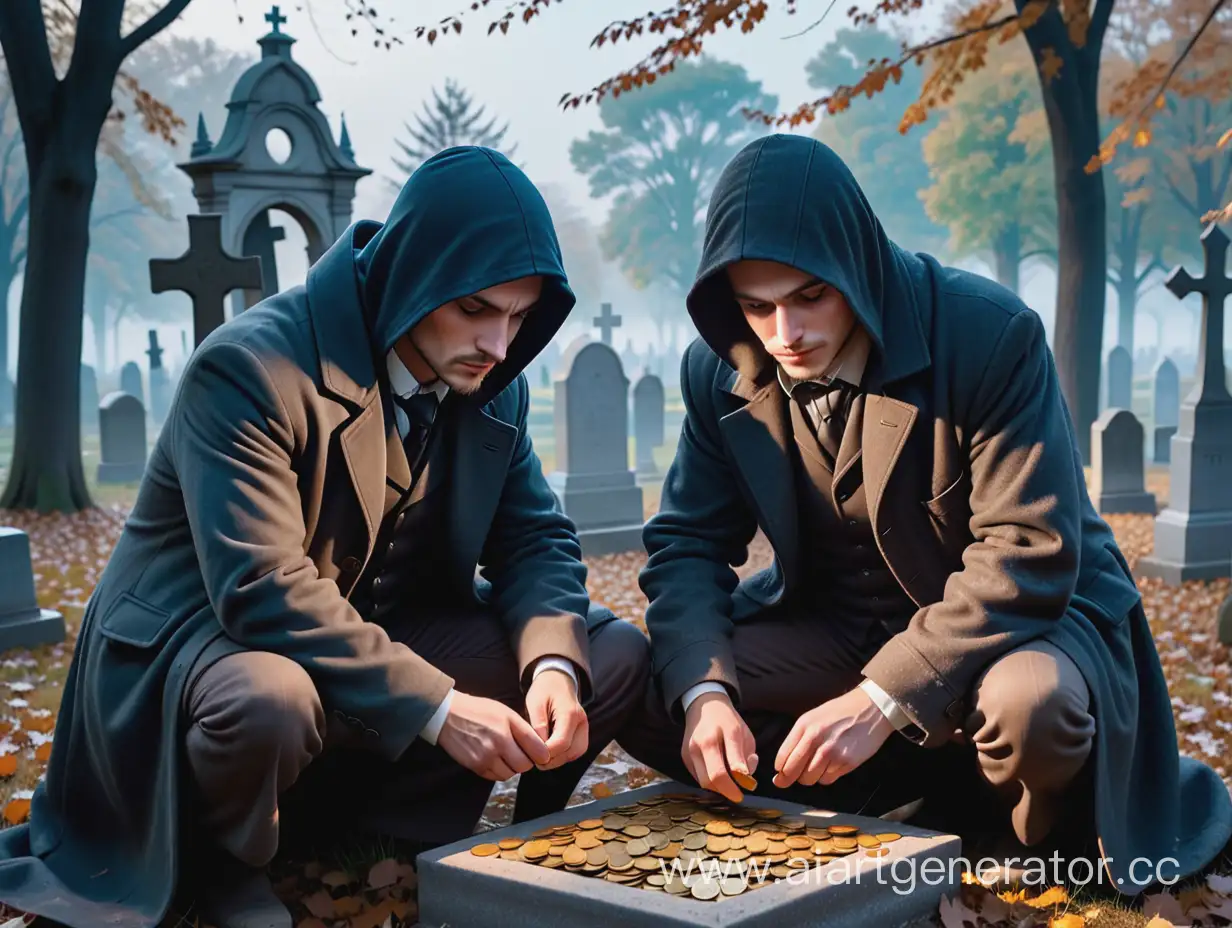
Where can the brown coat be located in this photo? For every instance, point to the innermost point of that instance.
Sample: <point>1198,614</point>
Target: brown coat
<point>979,507</point>
<point>257,514</point>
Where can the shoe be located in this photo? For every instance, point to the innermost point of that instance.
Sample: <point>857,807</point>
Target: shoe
<point>242,897</point>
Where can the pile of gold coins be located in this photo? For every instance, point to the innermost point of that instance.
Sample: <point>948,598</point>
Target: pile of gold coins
<point>689,845</point>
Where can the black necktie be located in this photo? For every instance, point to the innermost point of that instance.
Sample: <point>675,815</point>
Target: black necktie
<point>833,402</point>
<point>420,409</point>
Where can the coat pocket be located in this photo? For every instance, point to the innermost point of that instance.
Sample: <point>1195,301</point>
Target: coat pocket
<point>133,622</point>
<point>1109,593</point>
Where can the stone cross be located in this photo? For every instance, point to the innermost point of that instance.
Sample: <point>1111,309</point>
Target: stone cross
<point>154,352</point>
<point>1215,286</point>
<point>605,322</point>
<point>160,382</point>
<point>275,18</point>
<point>206,273</point>
<point>1193,535</point>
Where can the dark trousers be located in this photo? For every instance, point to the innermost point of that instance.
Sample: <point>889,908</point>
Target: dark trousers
<point>265,754</point>
<point>1024,741</point>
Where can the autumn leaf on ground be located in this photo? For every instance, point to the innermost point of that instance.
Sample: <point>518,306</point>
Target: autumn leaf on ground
<point>1069,920</point>
<point>1157,922</point>
<point>956,914</point>
<point>8,765</point>
<point>1166,907</point>
<point>17,811</point>
<point>385,873</point>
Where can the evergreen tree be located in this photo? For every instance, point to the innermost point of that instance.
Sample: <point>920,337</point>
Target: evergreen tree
<point>449,119</point>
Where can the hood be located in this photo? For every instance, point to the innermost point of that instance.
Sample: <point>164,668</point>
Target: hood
<point>466,220</point>
<point>790,199</point>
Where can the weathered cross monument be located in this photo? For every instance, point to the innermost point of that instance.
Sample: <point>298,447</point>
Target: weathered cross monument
<point>605,322</point>
<point>1193,535</point>
<point>206,273</point>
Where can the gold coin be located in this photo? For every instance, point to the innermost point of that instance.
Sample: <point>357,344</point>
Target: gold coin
<point>587,841</point>
<point>705,889</point>
<point>798,842</point>
<point>668,852</point>
<point>718,827</point>
<point>733,885</point>
<point>734,854</point>
<point>574,856</point>
<point>615,822</point>
<point>657,839</point>
<point>536,850</point>
<point>877,851</point>
<point>823,847</point>
<point>656,879</point>
<point>647,864</point>
<point>542,832</point>
<point>590,824</point>
<point>485,850</point>
<point>620,861</point>
<point>552,863</point>
<point>817,833</point>
<point>511,855</point>
<point>596,857</point>
<point>676,834</point>
<point>776,847</point>
<point>780,872</point>
<point>757,843</point>
<point>744,781</point>
<point>638,847</point>
<point>557,851</point>
<point>675,886</point>
<point>636,831</point>
<point>887,837</point>
<point>843,830</point>
<point>768,813</point>
<point>845,843</point>
<point>717,844</point>
<point>868,841</point>
<point>695,841</point>
<point>511,844</point>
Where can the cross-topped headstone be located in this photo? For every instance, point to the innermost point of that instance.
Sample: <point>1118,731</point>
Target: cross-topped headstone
<point>154,352</point>
<point>1194,533</point>
<point>605,322</point>
<point>275,18</point>
<point>1215,286</point>
<point>206,273</point>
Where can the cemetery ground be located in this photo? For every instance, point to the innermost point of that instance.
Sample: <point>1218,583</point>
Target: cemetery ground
<point>372,884</point>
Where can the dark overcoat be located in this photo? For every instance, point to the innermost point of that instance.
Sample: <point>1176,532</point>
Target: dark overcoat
<point>257,514</point>
<point>975,490</point>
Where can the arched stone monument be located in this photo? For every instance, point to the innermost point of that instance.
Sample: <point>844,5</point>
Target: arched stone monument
<point>242,177</point>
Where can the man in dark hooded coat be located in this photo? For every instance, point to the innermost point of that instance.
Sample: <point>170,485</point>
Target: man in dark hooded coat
<point>946,617</point>
<point>296,588</point>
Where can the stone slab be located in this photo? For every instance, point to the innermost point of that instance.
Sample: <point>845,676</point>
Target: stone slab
<point>1113,503</point>
<point>23,624</point>
<point>1188,546</point>
<point>459,890</point>
<point>611,540</point>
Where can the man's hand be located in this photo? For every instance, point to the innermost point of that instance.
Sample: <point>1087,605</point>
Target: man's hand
<point>490,739</point>
<point>831,740</point>
<point>717,741</point>
<point>558,718</point>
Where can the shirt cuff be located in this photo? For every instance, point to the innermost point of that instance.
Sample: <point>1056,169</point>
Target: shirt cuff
<point>883,701</point>
<point>556,663</point>
<point>432,730</point>
<point>700,689</point>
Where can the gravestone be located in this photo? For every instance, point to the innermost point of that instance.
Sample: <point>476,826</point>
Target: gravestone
<point>206,273</point>
<point>605,322</point>
<point>23,624</point>
<point>259,240</point>
<point>160,383</point>
<point>1117,465</point>
<point>465,885</point>
<point>121,424</point>
<point>648,433</point>
<point>1165,407</point>
<point>89,399</point>
<point>130,381</point>
<point>1120,383</point>
<point>1193,535</point>
<point>592,480</point>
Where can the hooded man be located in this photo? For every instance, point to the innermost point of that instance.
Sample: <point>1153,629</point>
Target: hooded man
<point>946,616</point>
<point>295,590</point>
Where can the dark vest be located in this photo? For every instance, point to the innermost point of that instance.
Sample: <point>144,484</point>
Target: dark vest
<point>409,559</point>
<point>845,578</point>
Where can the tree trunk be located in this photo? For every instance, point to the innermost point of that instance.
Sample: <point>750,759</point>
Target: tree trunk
<point>8,274</point>
<point>1127,305</point>
<point>1071,105</point>
<point>1006,248</point>
<point>46,473</point>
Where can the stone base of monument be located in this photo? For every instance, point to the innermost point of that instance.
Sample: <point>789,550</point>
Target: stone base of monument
<point>1114,503</point>
<point>1187,546</point>
<point>461,890</point>
<point>606,509</point>
<point>22,623</point>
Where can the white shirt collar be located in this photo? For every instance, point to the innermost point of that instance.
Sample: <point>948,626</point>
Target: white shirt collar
<point>403,382</point>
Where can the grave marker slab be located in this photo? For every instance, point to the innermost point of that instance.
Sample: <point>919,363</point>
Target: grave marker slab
<point>1120,387</point>
<point>1163,443</point>
<point>1194,533</point>
<point>592,480</point>
<point>648,430</point>
<point>23,624</point>
<point>1166,403</point>
<point>131,382</point>
<point>206,273</point>
<point>461,890</point>
<point>89,399</point>
<point>121,422</point>
<point>1117,466</point>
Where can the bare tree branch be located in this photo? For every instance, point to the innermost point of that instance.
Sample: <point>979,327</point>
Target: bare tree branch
<point>152,26</point>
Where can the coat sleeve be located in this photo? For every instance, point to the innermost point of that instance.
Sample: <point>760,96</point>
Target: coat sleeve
<point>702,528</point>
<point>1020,572</point>
<point>533,560</point>
<point>233,445</point>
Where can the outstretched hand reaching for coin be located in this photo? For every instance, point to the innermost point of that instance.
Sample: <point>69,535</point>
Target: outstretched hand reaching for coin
<point>718,746</point>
